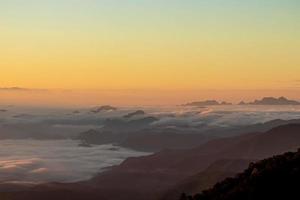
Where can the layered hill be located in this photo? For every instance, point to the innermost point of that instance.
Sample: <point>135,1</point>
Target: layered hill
<point>151,177</point>
<point>274,178</point>
<point>157,139</point>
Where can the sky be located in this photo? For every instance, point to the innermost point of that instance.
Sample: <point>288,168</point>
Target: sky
<point>173,47</point>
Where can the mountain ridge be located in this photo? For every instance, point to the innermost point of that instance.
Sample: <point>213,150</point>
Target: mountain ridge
<point>273,178</point>
<point>150,177</point>
<point>272,101</point>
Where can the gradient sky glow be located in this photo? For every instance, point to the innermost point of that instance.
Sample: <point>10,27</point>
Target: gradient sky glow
<point>150,44</point>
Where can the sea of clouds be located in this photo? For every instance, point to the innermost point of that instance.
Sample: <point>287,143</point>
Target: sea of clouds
<point>43,160</point>
<point>83,119</point>
<point>61,161</point>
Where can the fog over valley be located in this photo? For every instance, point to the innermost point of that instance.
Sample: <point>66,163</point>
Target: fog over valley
<point>35,161</point>
<point>69,145</point>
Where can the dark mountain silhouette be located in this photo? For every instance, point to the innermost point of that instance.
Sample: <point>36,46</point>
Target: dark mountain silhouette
<point>116,130</point>
<point>40,131</point>
<point>206,179</point>
<point>150,177</point>
<point>23,115</point>
<point>131,125</point>
<point>273,101</point>
<point>274,178</point>
<point>225,103</point>
<point>207,103</point>
<point>153,139</point>
<point>156,141</point>
<point>103,109</point>
<point>242,103</point>
<point>136,113</point>
<point>145,139</point>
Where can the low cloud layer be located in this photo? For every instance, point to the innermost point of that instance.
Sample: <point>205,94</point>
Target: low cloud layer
<point>20,89</point>
<point>65,123</point>
<point>226,116</point>
<point>63,161</point>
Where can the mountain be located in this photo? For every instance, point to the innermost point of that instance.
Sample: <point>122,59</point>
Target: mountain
<point>206,179</point>
<point>157,141</point>
<point>273,101</point>
<point>242,103</point>
<point>40,131</point>
<point>103,109</point>
<point>207,103</point>
<point>116,130</point>
<point>144,137</point>
<point>151,177</point>
<point>274,178</point>
<point>136,113</point>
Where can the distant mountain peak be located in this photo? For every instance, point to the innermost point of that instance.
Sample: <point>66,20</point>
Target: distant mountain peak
<point>273,101</point>
<point>207,103</point>
<point>136,113</point>
<point>103,109</point>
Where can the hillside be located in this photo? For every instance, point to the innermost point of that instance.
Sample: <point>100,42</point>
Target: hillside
<point>274,178</point>
<point>206,179</point>
<point>150,177</point>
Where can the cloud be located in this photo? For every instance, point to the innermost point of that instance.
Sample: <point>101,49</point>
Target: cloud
<point>65,161</point>
<point>221,117</point>
<point>13,88</point>
<point>20,89</point>
<point>62,161</point>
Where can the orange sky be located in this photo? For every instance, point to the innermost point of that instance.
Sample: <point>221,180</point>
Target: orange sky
<point>188,50</point>
<point>86,98</point>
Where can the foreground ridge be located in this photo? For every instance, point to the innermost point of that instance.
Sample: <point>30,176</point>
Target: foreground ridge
<point>274,178</point>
